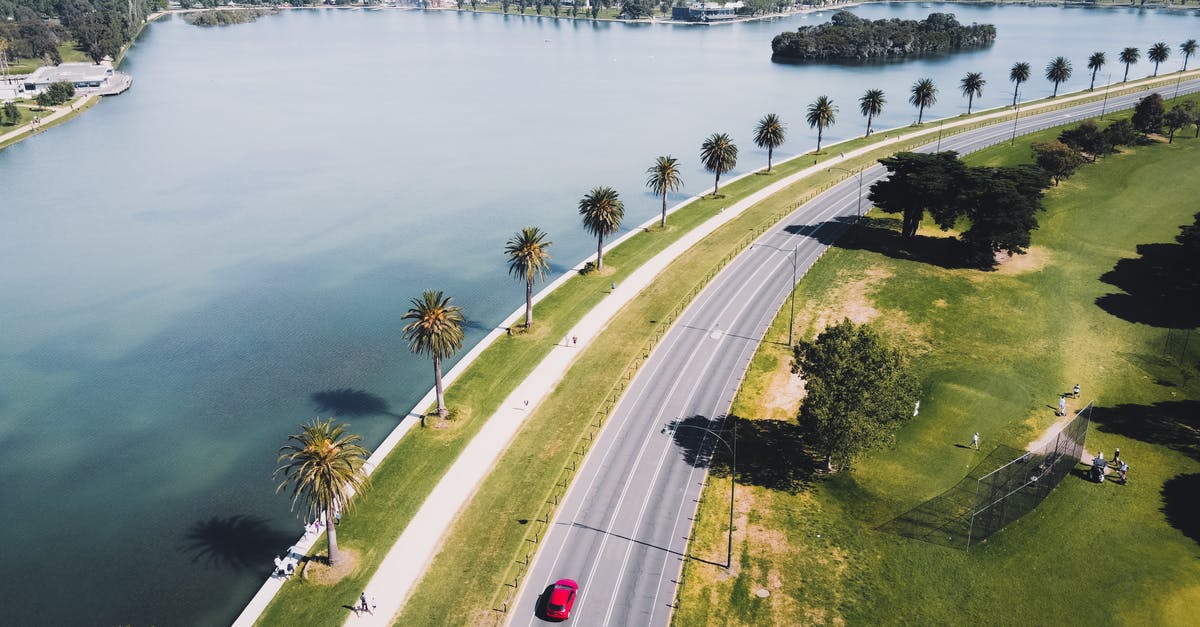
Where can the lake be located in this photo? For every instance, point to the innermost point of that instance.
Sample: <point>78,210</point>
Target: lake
<point>193,268</point>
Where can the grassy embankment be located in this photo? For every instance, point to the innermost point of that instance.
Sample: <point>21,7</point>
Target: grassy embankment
<point>404,480</point>
<point>995,349</point>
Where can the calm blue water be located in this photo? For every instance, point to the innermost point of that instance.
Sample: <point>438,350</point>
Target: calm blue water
<point>185,267</point>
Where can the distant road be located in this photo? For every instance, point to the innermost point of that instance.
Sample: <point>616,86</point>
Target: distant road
<point>623,527</point>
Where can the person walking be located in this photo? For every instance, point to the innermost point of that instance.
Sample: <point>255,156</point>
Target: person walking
<point>362,602</point>
<point>1076,391</point>
<point>975,441</point>
<point>1062,405</point>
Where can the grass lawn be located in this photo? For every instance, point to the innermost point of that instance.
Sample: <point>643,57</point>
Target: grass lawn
<point>66,50</point>
<point>994,349</point>
<point>403,481</point>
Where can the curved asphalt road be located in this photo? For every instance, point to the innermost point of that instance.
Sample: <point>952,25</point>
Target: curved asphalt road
<point>622,529</point>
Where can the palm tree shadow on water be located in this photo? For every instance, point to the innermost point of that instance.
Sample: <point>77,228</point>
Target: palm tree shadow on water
<point>237,542</point>
<point>770,453</point>
<point>350,402</point>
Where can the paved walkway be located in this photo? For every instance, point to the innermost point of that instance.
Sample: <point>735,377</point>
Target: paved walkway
<point>61,111</point>
<point>421,540</point>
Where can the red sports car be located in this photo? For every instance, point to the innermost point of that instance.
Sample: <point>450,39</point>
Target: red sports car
<point>561,599</point>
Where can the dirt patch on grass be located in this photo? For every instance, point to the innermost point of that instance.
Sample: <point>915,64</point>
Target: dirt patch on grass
<point>783,394</point>
<point>852,300</point>
<point>318,571</point>
<point>1033,260</point>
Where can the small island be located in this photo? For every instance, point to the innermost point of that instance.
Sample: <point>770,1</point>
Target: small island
<point>226,17</point>
<point>848,37</point>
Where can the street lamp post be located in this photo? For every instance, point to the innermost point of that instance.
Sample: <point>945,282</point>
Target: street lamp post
<point>732,473</point>
<point>858,207</point>
<point>793,259</point>
<point>1107,86</point>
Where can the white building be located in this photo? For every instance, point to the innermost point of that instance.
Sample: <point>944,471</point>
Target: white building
<point>84,76</point>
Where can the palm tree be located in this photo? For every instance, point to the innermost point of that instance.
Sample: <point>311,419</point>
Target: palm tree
<point>436,330</point>
<point>1095,62</point>
<point>602,212</point>
<point>528,260</point>
<point>664,177</point>
<point>1188,48</point>
<point>1058,71</point>
<point>719,155</point>
<point>924,94</point>
<point>821,114</point>
<point>871,105</point>
<point>972,85</point>
<point>324,465</point>
<point>1158,53</point>
<point>1018,74</point>
<point>1129,56</point>
<point>769,134</point>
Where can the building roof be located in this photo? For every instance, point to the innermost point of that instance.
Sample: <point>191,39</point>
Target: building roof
<point>70,72</point>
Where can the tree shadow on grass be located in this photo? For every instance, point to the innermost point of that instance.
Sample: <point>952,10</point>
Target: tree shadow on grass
<point>350,402</point>
<point>1181,506</point>
<point>1174,424</point>
<point>238,542</point>
<point>770,453</point>
<point>1160,287</point>
<point>882,235</point>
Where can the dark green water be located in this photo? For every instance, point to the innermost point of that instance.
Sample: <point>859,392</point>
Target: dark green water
<point>193,268</point>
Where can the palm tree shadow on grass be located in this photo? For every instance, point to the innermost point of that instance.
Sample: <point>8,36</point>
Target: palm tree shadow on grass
<point>238,542</point>
<point>349,402</point>
<point>1173,424</point>
<point>1180,505</point>
<point>770,453</point>
<point>882,235</point>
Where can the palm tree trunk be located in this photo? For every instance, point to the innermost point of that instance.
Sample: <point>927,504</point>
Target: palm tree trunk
<point>820,133</point>
<point>663,222</point>
<point>1155,69</point>
<point>1015,90</point>
<point>437,384</point>
<point>868,126</point>
<point>1092,87</point>
<point>529,303</point>
<point>1126,73</point>
<point>920,113</point>
<point>1055,94</point>
<point>717,184</point>
<point>599,252</point>
<point>331,535</point>
<point>770,153</point>
<point>970,101</point>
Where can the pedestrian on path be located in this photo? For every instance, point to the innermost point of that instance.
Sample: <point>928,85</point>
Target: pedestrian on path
<point>1062,405</point>
<point>613,287</point>
<point>1076,390</point>
<point>975,441</point>
<point>526,403</point>
<point>362,602</point>
<point>574,340</point>
<point>373,605</point>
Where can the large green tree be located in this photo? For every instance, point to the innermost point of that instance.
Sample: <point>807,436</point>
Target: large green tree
<point>1001,204</point>
<point>972,86</point>
<point>923,94</point>
<point>1019,73</point>
<point>769,133</point>
<point>871,105</point>
<point>920,182</point>
<point>436,330</point>
<point>1095,62</point>
<point>1058,71</point>
<point>1088,139</point>
<point>664,177</point>
<point>528,260</point>
<point>1148,114</point>
<point>324,466</point>
<point>719,155</point>
<point>1175,119</point>
<point>859,391</point>
<point>1057,158</point>
<point>1158,53</point>
<point>602,212</point>
<point>1129,56</point>
<point>822,113</point>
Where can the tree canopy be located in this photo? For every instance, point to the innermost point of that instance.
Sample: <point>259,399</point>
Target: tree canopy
<point>859,391</point>
<point>1148,114</point>
<point>847,36</point>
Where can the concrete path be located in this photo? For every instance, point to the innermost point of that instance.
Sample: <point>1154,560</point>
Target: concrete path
<point>420,542</point>
<point>61,111</point>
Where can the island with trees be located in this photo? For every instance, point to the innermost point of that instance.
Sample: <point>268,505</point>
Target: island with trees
<point>848,37</point>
